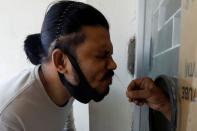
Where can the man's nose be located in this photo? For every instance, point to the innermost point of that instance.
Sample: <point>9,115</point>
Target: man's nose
<point>111,64</point>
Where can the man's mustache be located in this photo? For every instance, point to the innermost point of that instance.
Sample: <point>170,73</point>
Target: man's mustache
<point>109,74</point>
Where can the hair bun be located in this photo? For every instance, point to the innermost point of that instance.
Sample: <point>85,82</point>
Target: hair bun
<point>33,48</point>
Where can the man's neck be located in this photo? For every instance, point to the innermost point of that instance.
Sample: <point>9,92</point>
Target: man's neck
<point>53,87</point>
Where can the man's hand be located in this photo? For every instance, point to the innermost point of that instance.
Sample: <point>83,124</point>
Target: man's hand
<point>144,90</point>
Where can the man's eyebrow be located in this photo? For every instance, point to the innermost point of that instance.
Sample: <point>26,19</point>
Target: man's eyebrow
<point>105,52</point>
<point>108,52</point>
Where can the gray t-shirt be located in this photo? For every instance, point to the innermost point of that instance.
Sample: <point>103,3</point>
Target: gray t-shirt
<point>25,106</point>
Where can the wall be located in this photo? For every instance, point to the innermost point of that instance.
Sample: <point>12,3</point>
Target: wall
<point>114,113</point>
<point>18,18</point>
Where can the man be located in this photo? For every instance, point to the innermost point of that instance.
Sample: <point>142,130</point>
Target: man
<point>73,58</point>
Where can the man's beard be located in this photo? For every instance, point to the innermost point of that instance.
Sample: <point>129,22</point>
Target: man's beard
<point>83,91</point>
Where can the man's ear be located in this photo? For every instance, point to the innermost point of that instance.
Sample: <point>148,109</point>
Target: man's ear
<point>60,61</point>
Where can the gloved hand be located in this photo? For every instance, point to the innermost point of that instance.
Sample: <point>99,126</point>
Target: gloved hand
<point>144,91</point>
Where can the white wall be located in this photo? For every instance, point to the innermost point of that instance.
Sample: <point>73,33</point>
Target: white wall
<point>114,113</point>
<point>18,18</point>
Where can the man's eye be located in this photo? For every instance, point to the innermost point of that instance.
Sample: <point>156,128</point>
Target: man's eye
<point>101,56</point>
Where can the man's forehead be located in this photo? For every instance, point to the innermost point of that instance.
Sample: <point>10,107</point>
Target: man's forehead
<point>95,32</point>
<point>96,40</point>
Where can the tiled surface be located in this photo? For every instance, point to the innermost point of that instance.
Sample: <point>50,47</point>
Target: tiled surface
<point>165,30</point>
<point>155,3</point>
<point>169,7</point>
<point>165,37</point>
<point>166,63</point>
<point>154,32</point>
<point>177,26</point>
